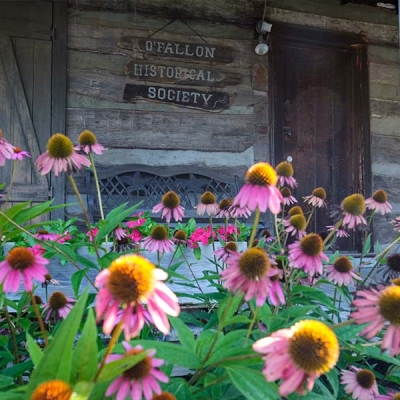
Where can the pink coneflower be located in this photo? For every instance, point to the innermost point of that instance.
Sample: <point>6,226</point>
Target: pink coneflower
<point>6,150</point>
<point>340,232</point>
<point>360,383</point>
<point>378,202</point>
<point>317,198</point>
<point>287,199</point>
<point>158,241</point>
<point>260,190</point>
<point>180,238</point>
<point>341,272</point>
<point>43,234</point>
<point>353,207</point>
<point>119,233</point>
<point>239,212</point>
<point>392,268</point>
<point>307,254</point>
<point>63,237</point>
<point>266,235</point>
<point>390,396</point>
<point>276,295</point>
<point>376,307</point>
<point>208,205</point>
<point>249,273</point>
<point>130,283</point>
<point>19,154</point>
<point>60,157</point>
<point>139,380</point>
<point>224,252</point>
<point>170,207</point>
<point>298,355</point>
<point>296,225</point>
<point>22,260</point>
<point>88,143</point>
<point>396,224</point>
<point>225,207</point>
<point>49,280</point>
<point>58,306</point>
<point>285,174</point>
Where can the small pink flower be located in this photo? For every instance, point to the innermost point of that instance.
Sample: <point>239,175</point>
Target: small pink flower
<point>89,234</point>
<point>317,198</point>
<point>285,174</point>
<point>287,199</point>
<point>58,306</point>
<point>307,254</point>
<point>353,207</point>
<point>46,235</point>
<point>6,150</point>
<point>133,285</point>
<point>88,143</point>
<point>19,154</point>
<point>22,261</point>
<point>136,236</point>
<point>341,272</point>
<point>340,232</point>
<point>377,307</point>
<point>208,205</point>
<point>201,235</point>
<point>63,237</point>
<point>249,273</point>
<point>38,249</point>
<point>260,190</point>
<point>378,202</point>
<point>158,241</point>
<point>139,380</point>
<point>360,383</point>
<point>136,223</point>
<point>230,232</point>
<point>170,207</point>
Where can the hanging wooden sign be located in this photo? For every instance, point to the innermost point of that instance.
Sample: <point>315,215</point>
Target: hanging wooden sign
<point>181,74</point>
<point>164,48</point>
<point>209,101</point>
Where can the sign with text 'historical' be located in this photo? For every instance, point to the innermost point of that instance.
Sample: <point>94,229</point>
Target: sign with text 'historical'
<point>164,48</point>
<point>208,101</point>
<point>181,74</point>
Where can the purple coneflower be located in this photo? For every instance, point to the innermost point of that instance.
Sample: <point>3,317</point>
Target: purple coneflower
<point>6,150</point>
<point>119,233</point>
<point>307,254</point>
<point>296,225</point>
<point>341,272</point>
<point>22,261</point>
<point>43,234</point>
<point>353,207</point>
<point>298,355</point>
<point>360,383</point>
<point>225,207</point>
<point>88,143</point>
<point>129,283</point>
<point>239,212</point>
<point>58,306</point>
<point>317,198</point>
<point>19,154</point>
<point>376,307</point>
<point>295,210</point>
<point>285,174</point>
<point>392,268</point>
<point>180,238</point>
<point>260,190</point>
<point>249,273</point>
<point>340,232</point>
<point>378,202</point>
<point>390,396</point>
<point>139,380</point>
<point>208,205</point>
<point>60,157</point>
<point>158,241</point>
<point>287,199</point>
<point>223,253</point>
<point>276,295</point>
<point>170,207</point>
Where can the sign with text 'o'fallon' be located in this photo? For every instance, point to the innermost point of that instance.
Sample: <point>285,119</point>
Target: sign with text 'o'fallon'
<point>208,101</point>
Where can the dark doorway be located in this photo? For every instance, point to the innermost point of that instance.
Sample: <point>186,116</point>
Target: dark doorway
<point>319,82</point>
<point>32,90</point>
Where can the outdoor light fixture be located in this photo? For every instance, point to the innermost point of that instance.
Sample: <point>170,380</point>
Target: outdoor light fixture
<point>263,28</point>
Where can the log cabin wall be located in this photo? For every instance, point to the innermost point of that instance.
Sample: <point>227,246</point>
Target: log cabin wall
<point>109,94</point>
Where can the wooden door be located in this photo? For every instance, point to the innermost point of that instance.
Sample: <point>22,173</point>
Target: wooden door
<point>320,88</point>
<point>32,90</point>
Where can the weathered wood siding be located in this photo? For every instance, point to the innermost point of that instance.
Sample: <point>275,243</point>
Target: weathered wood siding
<point>100,64</point>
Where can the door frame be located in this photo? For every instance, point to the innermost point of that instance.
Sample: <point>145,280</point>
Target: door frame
<point>357,45</point>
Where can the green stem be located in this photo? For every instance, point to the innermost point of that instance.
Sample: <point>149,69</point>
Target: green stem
<point>333,231</point>
<point>39,318</point>
<point>365,237</point>
<point>253,321</point>
<point>255,226</point>
<point>190,269</point>
<point>113,341</point>
<point>278,238</point>
<point>96,180</point>
<point>47,244</point>
<point>344,323</point>
<point>11,183</point>
<point>310,216</point>
<point>85,213</point>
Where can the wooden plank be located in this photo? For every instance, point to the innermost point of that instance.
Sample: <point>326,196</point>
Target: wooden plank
<point>25,117</point>
<point>27,11</point>
<point>27,29</point>
<point>135,129</point>
<point>58,95</point>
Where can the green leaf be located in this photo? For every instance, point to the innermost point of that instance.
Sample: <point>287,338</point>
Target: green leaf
<point>311,293</point>
<point>82,391</point>
<point>57,360</point>
<point>197,253</point>
<point>333,378</point>
<point>32,212</point>
<point>252,384</point>
<point>18,369</point>
<point>186,337</point>
<point>84,357</point>
<point>76,280</point>
<point>179,388</point>
<point>228,307</point>
<point>367,246</point>
<point>34,350</point>
<point>5,381</point>
<point>116,368</point>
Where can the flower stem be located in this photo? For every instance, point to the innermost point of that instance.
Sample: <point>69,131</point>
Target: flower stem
<point>96,180</point>
<point>332,232</point>
<point>85,213</point>
<point>253,321</point>
<point>190,269</point>
<point>255,226</point>
<point>39,318</point>
<point>344,323</point>
<point>113,341</point>
<point>310,216</point>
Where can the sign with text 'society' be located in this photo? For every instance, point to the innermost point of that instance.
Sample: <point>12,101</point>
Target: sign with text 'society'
<point>208,101</point>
